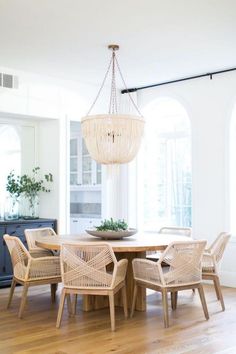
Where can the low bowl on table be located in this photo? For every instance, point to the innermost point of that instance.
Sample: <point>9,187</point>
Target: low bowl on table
<point>112,235</point>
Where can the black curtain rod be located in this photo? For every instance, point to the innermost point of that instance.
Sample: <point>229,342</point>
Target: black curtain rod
<point>133,89</point>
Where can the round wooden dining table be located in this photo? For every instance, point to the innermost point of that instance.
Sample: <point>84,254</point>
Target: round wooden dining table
<point>131,247</point>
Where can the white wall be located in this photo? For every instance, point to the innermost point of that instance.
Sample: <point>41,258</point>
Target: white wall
<point>48,160</point>
<point>209,104</point>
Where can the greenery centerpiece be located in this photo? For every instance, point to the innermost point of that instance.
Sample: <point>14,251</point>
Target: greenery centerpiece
<point>111,225</point>
<point>112,230</point>
<point>28,188</point>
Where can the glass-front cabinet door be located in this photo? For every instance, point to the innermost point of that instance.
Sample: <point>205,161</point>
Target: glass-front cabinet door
<point>90,172</point>
<point>73,161</point>
<point>83,170</point>
<point>98,173</point>
<point>86,165</point>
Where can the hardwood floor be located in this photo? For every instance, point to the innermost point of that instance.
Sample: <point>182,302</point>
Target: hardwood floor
<point>89,332</point>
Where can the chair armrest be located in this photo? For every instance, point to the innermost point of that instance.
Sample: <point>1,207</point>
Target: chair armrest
<point>44,267</point>
<point>122,268</point>
<point>147,271</point>
<point>208,261</point>
<point>119,273</point>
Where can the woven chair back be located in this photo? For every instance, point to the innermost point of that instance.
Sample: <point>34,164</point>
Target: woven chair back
<point>184,260</point>
<point>218,246</point>
<point>185,231</point>
<point>32,234</point>
<point>87,265</point>
<point>19,256</point>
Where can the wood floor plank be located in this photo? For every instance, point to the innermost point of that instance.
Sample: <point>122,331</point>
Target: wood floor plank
<point>89,332</point>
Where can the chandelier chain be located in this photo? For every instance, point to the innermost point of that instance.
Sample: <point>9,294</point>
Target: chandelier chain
<point>102,85</point>
<point>113,96</point>
<point>131,98</point>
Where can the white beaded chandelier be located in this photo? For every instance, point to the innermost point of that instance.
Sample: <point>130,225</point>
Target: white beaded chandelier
<point>113,138</point>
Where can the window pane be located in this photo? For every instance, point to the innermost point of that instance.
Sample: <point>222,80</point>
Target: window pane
<point>233,172</point>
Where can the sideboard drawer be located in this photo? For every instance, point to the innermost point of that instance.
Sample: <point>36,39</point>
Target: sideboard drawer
<point>16,230</point>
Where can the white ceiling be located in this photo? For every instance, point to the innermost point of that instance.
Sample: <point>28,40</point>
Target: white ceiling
<point>159,39</point>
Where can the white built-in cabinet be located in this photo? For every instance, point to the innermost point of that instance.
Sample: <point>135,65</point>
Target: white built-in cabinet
<point>79,225</point>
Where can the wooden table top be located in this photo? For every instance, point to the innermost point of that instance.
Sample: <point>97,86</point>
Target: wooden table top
<point>139,242</point>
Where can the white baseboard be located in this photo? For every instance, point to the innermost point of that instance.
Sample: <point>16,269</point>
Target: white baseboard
<point>228,279</point>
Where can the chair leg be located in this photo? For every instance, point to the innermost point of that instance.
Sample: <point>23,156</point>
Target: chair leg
<point>13,285</point>
<point>124,298</point>
<point>203,301</point>
<point>23,299</point>
<point>69,304</point>
<point>165,307</point>
<point>112,311</point>
<point>174,297</point>
<point>134,299</point>
<point>74,304</point>
<point>216,288</point>
<point>53,292</point>
<point>219,292</point>
<point>61,307</point>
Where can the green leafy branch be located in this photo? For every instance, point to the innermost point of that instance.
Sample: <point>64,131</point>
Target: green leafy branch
<point>13,185</point>
<point>28,185</point>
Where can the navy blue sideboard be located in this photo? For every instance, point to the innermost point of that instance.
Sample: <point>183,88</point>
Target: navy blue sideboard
<point>16,228</point>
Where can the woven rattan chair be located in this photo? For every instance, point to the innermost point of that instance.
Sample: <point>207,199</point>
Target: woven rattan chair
<point>92,269</point>
<point>211,262</point>
<point>184,272</point>
<point>184,231</point>
<point>31,236</point>
<point>29,271</point>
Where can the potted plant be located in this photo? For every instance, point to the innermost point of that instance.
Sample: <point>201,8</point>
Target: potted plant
<point>13,187</point>
<point>31,186</point>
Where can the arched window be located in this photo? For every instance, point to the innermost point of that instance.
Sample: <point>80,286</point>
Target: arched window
<point>10,157</point>
<point>164,167</point>
<point>233,171</point>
